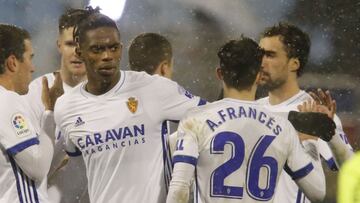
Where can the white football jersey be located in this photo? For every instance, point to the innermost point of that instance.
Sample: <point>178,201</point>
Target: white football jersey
<point>70,181</point>
<point>16,134</point>
<point>239,150</point>
<point>119,135</point>
<point>288,191</point>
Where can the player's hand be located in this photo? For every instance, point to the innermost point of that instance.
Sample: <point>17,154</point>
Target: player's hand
<point>50,95</point>
<point>315,106</point>
<point>324,98</point>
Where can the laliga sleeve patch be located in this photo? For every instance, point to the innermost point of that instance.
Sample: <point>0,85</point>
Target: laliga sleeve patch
<point>183,91</point>
<point>20,125</point>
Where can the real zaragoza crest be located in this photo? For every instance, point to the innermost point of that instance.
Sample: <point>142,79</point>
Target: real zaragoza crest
<point>132,104</point>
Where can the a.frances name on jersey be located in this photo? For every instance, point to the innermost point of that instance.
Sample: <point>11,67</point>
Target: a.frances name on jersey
<point>132,104</point>
<point>112,139</point>
<point>20,125</point>
<point>241,112</point>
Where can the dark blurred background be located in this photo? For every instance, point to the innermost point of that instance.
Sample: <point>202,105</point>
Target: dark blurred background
<point>197,29</point>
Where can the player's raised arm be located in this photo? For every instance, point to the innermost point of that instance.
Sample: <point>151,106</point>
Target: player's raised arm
<point>307,174</point>
<point>184,159</point>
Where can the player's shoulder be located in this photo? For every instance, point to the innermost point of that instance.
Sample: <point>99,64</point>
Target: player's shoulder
<point>71,96</point>
<point>143,77</point>
<point>37,82</point>
<point>263,101</point>
<point>10,100</point>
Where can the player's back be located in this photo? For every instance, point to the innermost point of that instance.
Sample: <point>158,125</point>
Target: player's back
<point>242,151</point>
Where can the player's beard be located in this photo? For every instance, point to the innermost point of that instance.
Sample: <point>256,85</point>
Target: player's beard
<point>269,84</point>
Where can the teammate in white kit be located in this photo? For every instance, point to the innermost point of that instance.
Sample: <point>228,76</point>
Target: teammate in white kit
<point>286,53</point>
<point>114,119</point>
<point>237,146</point>
<point>26,152</point>
<point>66,184</point>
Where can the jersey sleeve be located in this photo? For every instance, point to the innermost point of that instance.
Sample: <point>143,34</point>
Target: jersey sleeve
<point>175,101</point>
<point>17,132</point>
<point>187,147</point>
<point>298,163</point>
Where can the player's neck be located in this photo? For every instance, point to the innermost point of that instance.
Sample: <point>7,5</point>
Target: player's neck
<point>99,87</point>
<point>246,95</point>
<point>284,92</point>
<point>6,82</point>
<point>71,79</point>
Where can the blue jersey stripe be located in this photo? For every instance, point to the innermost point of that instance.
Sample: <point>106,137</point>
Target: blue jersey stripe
<point>331,164</point>
<point>185,159</point>
<point>29,189</point>
<point>13,165</point>
<point>202,102</point>
<point>35,192</point>
<point>298,197</point>
<point>23,177</point>
<point>164,132</point>
<point>22,145</point>
<point>73,154</point>
<point>299,173</point>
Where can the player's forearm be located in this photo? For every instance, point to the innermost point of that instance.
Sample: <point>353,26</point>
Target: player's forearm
<point>313,185</point>
<point>180,183</point>
<point>35,160</point>
<point>340,150</point>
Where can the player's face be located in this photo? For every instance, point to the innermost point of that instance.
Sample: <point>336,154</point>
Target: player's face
<point>69,60</point>
<point>275,63</point>
<point>101,52</point>
<point>25,69</point>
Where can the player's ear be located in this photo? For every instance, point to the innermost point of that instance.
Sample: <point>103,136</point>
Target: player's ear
<point>258,78</point>
<point>78,51</point>
<point>294,64</point>
<point>219,73</point>
<point>58,45</point>
<point>11,63</point>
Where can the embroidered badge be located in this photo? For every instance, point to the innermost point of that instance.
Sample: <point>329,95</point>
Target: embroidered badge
<point>20,125</point>
<point>132,104</point>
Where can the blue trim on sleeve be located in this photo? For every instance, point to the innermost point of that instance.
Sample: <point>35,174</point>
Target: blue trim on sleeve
<point>22,145</point>
<point>185,159</point>
<point>73,154</point>
<point>202,102</point>
<point>331,164</point>
<point>299,173</point>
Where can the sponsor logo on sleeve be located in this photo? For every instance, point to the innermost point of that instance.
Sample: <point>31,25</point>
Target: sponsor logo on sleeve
<point>132,104</point>
<point>20,125</point>
<point>185,92</point>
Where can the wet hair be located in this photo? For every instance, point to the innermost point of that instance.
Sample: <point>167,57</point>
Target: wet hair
<point>12,42</point>
<point>70,18</point>
<point>240,62</point>
<point>92,19</point>
<point>296,42</point>
<point>147,51</point>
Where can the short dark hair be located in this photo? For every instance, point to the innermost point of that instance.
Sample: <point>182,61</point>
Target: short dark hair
<point>92,20</point>
<point>240,62</point>
<point>296,42</point>
<point>147,51</point>
<point>12,42</point>
<point>70,18</point>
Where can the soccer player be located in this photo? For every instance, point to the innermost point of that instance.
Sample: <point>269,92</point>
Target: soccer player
<point>286,54</point>
<point>114,119</point>
<point>65,181</point>
<point>26,153</point>
<point>237,146</point>
<point>152,53</point>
